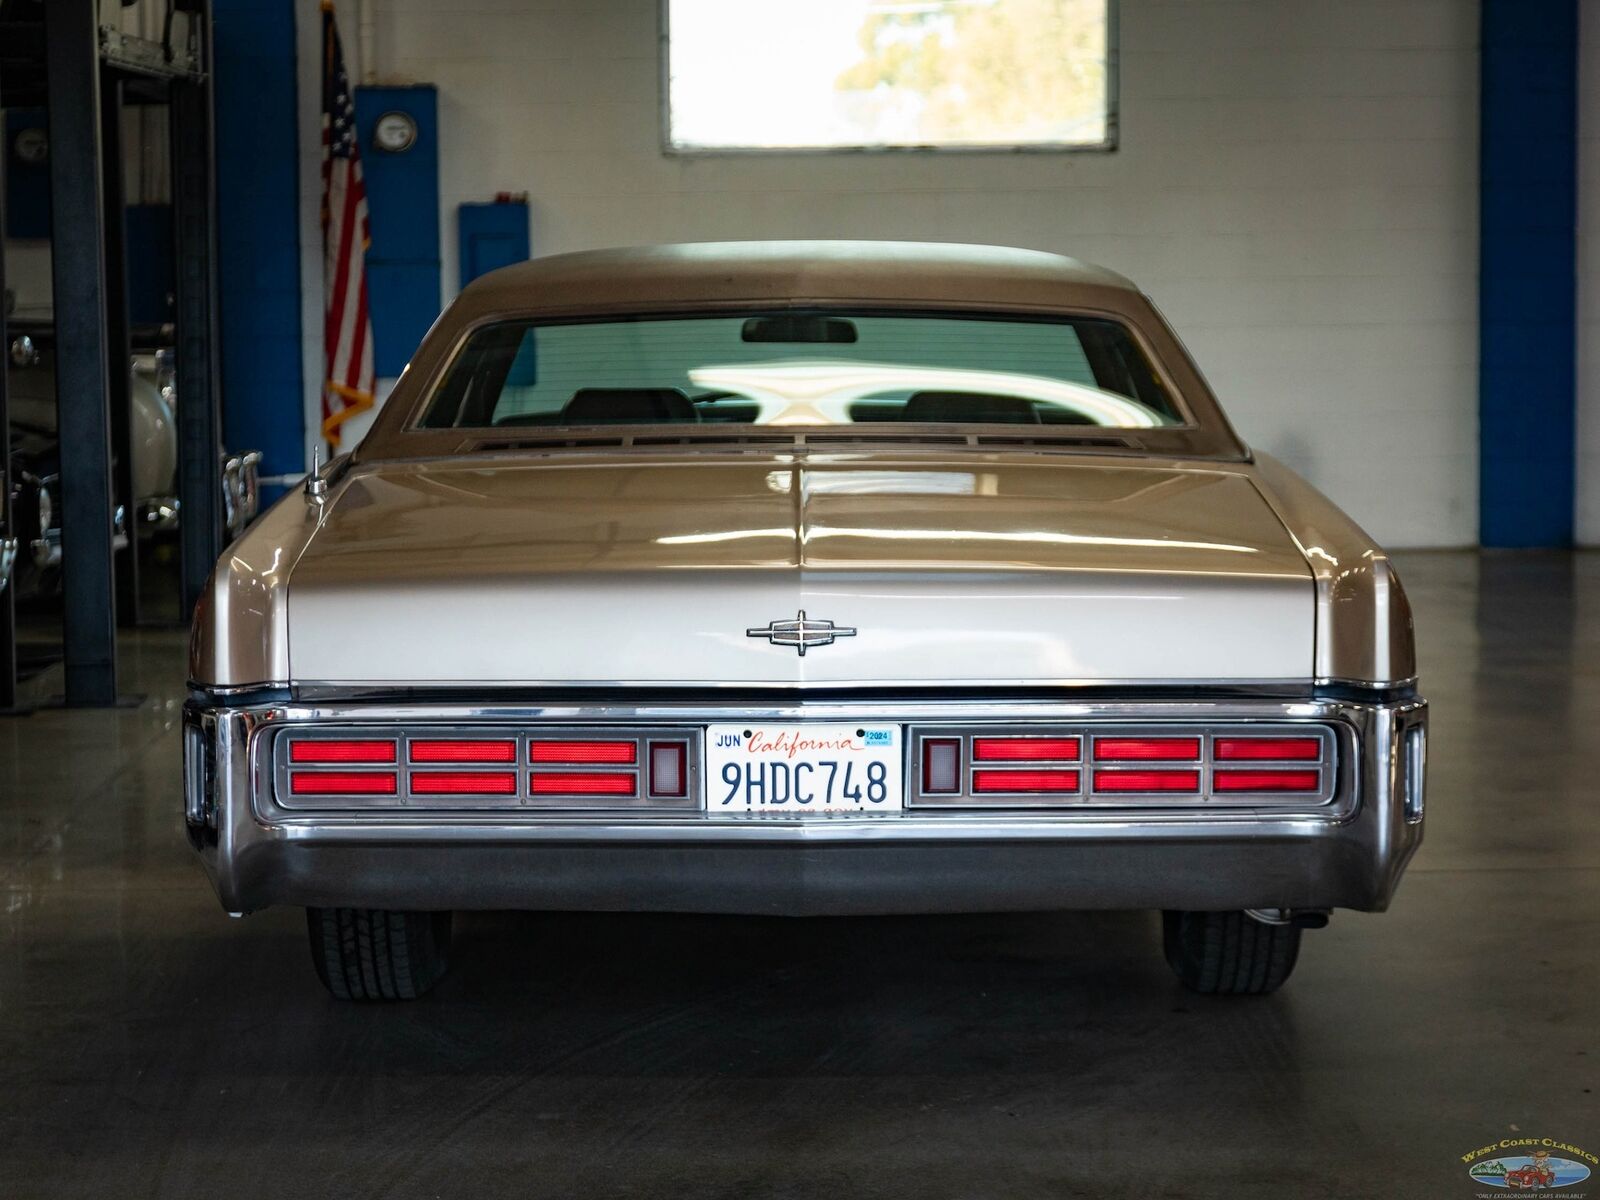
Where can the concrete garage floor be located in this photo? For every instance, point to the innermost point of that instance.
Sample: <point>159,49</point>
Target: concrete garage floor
<point>149,1046</point>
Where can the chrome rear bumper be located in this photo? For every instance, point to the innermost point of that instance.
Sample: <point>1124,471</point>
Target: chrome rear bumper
<point>1349,854</point>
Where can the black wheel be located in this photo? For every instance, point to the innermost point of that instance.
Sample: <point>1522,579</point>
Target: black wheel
<point>378,954</point>
<point>1229,953</point>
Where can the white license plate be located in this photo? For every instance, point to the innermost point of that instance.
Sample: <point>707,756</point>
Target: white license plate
<point>797,770</point>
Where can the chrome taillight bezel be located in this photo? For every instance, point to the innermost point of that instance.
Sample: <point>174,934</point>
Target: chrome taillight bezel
<point>1087,795</point>
<point>642,795</point>
<point>1334,738</point>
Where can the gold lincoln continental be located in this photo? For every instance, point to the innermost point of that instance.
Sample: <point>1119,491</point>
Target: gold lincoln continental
<point>803,578</point>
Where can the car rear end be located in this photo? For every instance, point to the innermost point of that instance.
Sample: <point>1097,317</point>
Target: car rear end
<point>810,580</point>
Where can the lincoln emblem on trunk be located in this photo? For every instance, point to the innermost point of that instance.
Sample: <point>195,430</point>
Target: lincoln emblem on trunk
<point>801,632</point>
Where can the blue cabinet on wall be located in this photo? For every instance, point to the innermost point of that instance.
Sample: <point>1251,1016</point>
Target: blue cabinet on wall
<point>491,236</point>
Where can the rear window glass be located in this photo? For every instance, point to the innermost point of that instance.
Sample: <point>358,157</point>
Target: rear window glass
<point>802,368</point>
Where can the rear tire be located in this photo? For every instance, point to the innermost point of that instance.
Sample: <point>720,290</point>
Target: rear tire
<point>1229,953</point>
<point>376,953</point>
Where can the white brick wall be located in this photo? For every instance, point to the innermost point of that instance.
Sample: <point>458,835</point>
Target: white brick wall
<point>1296,187</point>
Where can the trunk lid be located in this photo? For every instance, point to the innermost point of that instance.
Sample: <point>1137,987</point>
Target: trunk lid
<point>996,570</point>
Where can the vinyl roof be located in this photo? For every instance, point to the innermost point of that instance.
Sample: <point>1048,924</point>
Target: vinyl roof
<point>933,273</point>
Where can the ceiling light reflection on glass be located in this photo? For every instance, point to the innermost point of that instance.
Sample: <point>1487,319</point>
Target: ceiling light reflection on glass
<point>816,393</point>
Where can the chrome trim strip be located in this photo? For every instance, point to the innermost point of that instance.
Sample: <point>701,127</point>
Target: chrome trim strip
<point>1376,685</point>
<point>1184,691</point>
<point>914,710</point>
<point>483,690</point>
<point>827,829</point>
<point>229,691</point>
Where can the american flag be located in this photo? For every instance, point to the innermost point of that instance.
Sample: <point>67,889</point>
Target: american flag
<point>347,324</point>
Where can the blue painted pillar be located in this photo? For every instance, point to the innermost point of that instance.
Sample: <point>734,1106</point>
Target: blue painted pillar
<point>258,230</point>
<point>1527,273</point>
<point>403,198</point>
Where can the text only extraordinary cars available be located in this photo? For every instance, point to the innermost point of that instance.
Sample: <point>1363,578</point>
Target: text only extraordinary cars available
<point>803,578</point>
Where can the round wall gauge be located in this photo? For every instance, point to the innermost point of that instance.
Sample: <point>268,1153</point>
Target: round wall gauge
<point>32,145</point>
<point>395,132</point>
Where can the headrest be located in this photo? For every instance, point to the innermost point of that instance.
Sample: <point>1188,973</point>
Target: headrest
<point>627,406</point>
<point>973,407</point>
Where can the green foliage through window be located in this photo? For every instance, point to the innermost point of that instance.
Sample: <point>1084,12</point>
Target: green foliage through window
<point>775,74</point>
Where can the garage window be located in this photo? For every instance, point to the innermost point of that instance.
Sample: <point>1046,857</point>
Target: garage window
<point>757,75</point>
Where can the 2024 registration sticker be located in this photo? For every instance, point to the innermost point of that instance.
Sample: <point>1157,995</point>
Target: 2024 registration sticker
<point>795,770</point>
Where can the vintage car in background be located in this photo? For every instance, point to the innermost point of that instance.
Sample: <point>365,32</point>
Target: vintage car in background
<point>803,578</point>
<point>35,472</point>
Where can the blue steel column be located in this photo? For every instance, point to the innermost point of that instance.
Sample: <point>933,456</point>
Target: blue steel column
<point>1527,280</point>
<point>77,257</point>
<point>258,230</point>
<point>8,614</point>
<point>194,249</point>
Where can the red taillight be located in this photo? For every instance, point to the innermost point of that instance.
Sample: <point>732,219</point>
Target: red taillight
<point>1026,749</point>
<point>582,752</point>
<point>1151,749</point>
<point>1024,781</point>
<point>342,783</point>
<point>583,783</point>
<point>453,750</point>
<point>325,750</point>
<point>669,775</point>
<point>1268,749</point>
<point>1266,781</point>
<point>464,783</point>
<point>1146,781</point>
